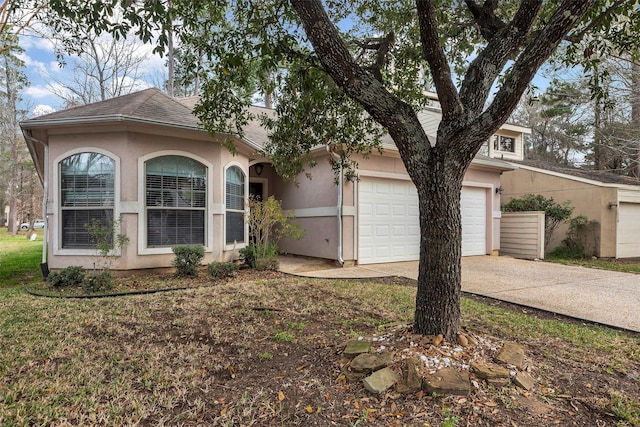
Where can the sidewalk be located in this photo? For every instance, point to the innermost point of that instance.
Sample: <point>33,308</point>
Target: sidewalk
<point>601,296</point>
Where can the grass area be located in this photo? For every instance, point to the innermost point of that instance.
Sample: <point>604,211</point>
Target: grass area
<point>623,265</point>
<point>19,259</point>
<point>263,349</point>
<point>207,356</point>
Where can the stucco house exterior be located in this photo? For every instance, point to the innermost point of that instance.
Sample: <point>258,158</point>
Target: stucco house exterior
<point>611,200</point>
<point>145,158</point>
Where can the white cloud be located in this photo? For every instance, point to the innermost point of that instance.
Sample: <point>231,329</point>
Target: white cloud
<point>37,92</point>
<point>42,109</point>
<point>31,40</point>
<point>33,64</point>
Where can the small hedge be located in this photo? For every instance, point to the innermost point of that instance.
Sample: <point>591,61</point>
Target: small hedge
<point>98,282</point>
<point>69,276</point>
<point>188,259</point>
<point>221,270</point>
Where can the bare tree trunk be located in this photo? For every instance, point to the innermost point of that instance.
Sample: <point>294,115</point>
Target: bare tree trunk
<point>598,161</point>
<point>12,127</point>
<point>635,118</point>
<point>170,58</point>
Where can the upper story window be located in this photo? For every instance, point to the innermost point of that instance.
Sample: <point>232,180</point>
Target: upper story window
<point>87,193</point>
<point>176,200</point>
<point>504,143</point>
<point>234,203</point>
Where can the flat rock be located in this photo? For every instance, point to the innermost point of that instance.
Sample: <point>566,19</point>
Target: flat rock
<point>512,354</point>
<point>411,378</point>
<point>447,381</point>
<point>533,406</point>
<point>490,371</point>
<point>463,340</point>
<point>499,382</point>
<point>380,381</point>
<point>356,347</point>
<point>366,362</point>
<point>524,380</point>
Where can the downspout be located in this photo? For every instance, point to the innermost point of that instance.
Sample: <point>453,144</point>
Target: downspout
<point>45,190</point>
<point>45,194</point>
<point>339,206</point>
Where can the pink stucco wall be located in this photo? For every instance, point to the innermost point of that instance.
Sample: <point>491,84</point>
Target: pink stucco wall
<point>129,146</point>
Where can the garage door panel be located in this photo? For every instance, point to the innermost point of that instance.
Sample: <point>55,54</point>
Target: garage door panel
<point>389,230</point>
<point>628,237</point>
<point>473,207</point>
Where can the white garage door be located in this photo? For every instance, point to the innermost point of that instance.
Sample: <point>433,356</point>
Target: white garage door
<point>388,226</point>
<point>473,204</point>
<point>628,241</point>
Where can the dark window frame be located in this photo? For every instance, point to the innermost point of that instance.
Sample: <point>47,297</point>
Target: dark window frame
<point>87,193</point>
<point>175,201</point>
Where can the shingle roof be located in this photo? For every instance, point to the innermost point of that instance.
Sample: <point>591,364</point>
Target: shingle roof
<point>594,175</point>
<point>147,105</point>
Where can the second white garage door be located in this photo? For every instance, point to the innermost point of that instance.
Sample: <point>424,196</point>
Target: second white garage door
<point>389,230</point>
<point>628,238</point>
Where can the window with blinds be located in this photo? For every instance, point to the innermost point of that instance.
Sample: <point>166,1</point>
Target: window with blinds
<point>176,200</point>
<point>234,195</point>
<point>86,194</point>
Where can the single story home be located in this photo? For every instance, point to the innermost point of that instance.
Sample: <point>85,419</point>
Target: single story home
<point>143,157</point>
<point>611,200</point>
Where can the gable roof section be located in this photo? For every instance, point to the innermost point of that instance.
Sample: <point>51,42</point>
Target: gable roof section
<point>147,106</point>
<point>588,176</point>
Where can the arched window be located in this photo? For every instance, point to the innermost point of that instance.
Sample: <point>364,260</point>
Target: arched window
<point>176,200</point>
<point>86,195</point>
<point>234,192</point>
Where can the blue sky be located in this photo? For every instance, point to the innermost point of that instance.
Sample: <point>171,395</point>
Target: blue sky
<point>44,73</point>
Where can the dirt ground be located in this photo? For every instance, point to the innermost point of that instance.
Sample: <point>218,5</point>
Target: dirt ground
<point>574,391</point>
<point>281,364</point>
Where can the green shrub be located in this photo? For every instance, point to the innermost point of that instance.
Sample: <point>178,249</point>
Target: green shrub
<point>581,240</point>
<point>249,255</point>
<point>188,259</point>
<point>267,264</point>
<point>268,224</point>
<point>220,270</point>
<point>69,276</point>
<point>98,282</point>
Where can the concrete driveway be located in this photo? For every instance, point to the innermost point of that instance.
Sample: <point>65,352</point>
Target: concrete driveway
<point>601,296</point>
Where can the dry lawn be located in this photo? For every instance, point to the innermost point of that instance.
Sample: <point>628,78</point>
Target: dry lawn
<point>264,349</point>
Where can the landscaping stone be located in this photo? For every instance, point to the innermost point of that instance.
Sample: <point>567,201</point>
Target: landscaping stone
<point>353,376</point>
<point>367,362</point>
<point>447,381</point>
<point>463,340</point>
<point>524,380</point>
<point>499,382</point>
<point>512,354</point>
<point>438,340</point>
<point>380,381</point>
<point>490,371</point>
<point>356,347</point>
<point>411,378</point>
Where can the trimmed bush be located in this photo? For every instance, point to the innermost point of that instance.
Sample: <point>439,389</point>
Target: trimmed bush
<point>267,264</point>
<point>188,259</point>
<point>249,255</point>
<point>98,282</point>
<point>220,270</point>
<point>69,276</point>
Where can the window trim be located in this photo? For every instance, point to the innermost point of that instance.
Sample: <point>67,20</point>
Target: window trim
<point>232,246</point>
<point>142,203</point>
<point>498,143</point>
<point>57,198</point>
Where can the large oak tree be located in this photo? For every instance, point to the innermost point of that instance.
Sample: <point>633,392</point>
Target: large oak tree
<point>341,72</point>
